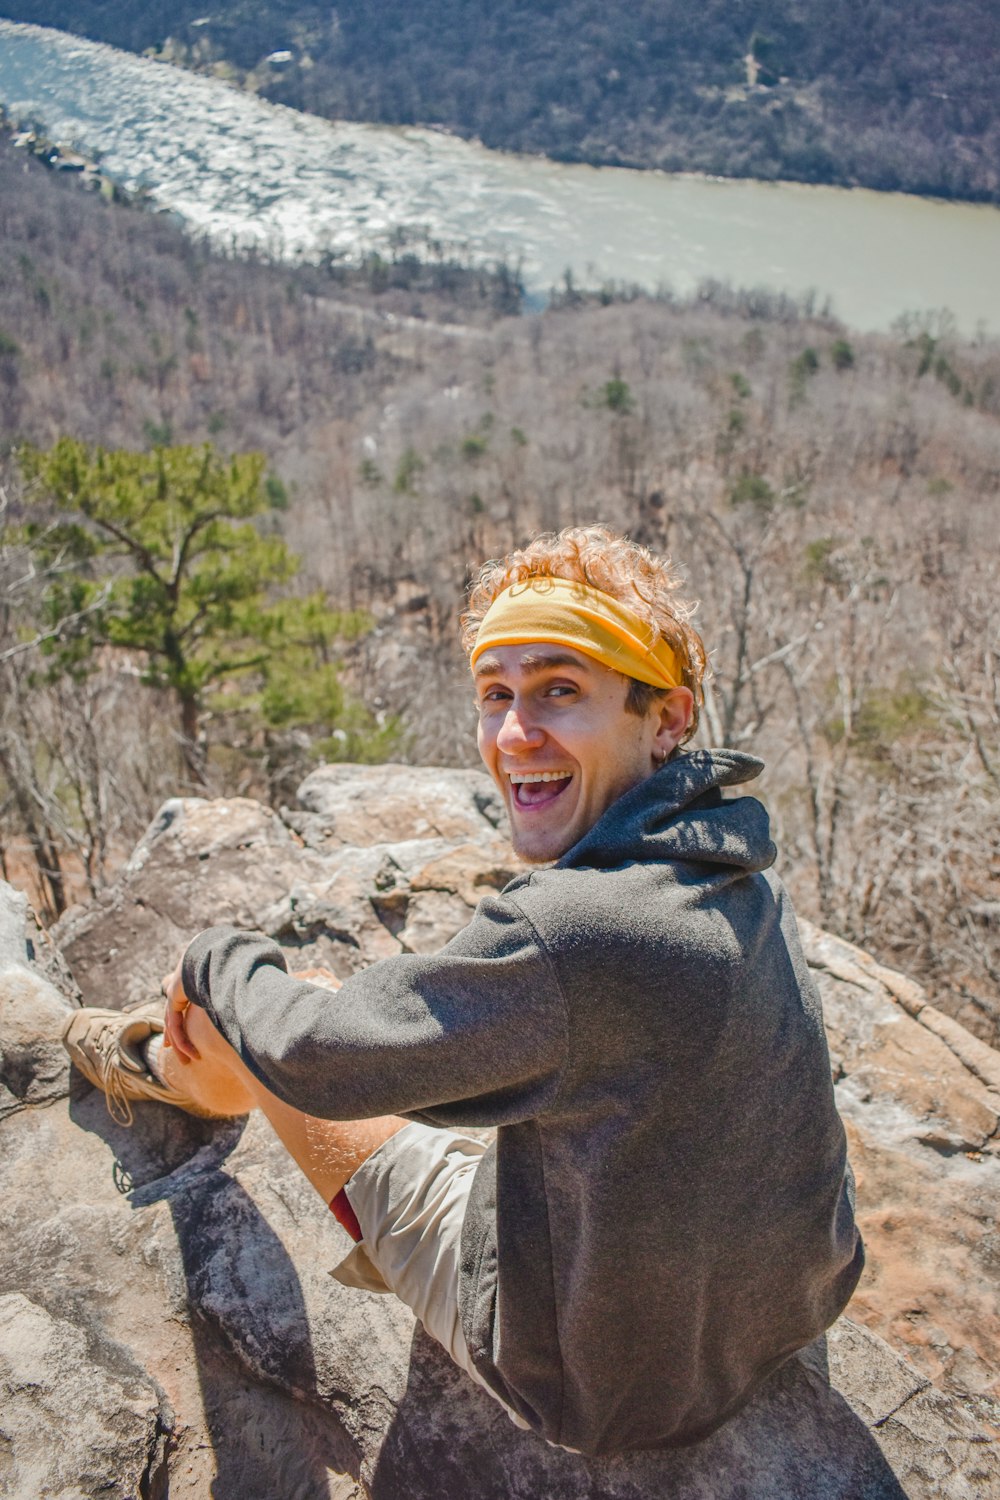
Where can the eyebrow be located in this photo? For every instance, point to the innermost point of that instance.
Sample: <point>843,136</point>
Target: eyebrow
<point>532,661</point>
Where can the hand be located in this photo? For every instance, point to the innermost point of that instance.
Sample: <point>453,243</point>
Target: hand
<point>177,1006</point>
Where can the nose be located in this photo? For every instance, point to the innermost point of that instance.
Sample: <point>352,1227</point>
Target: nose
<point>519,731</point>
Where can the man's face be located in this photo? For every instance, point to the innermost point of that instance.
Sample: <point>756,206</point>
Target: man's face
<point>557,740</point>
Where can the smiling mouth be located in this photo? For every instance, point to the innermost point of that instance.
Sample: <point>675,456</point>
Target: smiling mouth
<point>535,789</point>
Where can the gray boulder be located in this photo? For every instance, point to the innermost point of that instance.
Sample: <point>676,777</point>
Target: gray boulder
<point>345,805</point>
<point>79,1417</point>
<point>34,1068</point>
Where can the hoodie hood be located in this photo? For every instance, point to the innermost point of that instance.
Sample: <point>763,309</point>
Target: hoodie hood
<point>678,813</point>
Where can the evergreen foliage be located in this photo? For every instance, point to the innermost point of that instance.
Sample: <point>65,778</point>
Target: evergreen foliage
<point>616,396</point>
<point>158,554</point>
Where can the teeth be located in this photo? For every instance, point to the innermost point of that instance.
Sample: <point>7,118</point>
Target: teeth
<point>519,777</point>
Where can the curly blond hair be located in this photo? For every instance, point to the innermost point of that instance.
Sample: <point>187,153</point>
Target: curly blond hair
<point>633,575</point>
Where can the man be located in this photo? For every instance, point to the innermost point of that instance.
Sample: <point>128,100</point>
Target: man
<point>666,1214</point>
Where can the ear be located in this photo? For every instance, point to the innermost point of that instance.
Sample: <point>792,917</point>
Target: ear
<point>672,717</point>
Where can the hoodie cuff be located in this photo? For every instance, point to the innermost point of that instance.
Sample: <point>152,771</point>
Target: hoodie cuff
<point>196,964</point>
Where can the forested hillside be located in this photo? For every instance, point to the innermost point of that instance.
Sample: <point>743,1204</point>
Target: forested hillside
<point>897,95</point>
<point>833,498</point>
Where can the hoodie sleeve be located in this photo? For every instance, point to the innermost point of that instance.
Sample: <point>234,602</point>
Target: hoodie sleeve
<point>473,1035</point>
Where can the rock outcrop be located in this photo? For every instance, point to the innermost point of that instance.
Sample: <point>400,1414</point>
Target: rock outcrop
<point>167,1323</point>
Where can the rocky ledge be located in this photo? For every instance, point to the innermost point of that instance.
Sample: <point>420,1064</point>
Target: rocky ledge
<point>167,1323</point>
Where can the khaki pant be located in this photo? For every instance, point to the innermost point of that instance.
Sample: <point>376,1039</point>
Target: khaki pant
<point>410,1198</point>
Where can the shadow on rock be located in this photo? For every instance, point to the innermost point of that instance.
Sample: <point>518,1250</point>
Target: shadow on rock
<point>797,1438</point>
<point>242,1296</point>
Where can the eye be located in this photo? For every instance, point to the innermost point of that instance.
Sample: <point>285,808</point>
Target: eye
<point>495,695</point>
<point>560,690</point>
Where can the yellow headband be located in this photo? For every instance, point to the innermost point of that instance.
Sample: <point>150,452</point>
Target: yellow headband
<point>585,619</point>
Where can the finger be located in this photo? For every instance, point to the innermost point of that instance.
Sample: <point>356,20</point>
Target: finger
<point>172,986</point>
<point>182,1044</point>
<point>177,1034</point>
<point>177,1004</point>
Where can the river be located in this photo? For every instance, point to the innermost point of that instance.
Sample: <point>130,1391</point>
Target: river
<point>244,171</point>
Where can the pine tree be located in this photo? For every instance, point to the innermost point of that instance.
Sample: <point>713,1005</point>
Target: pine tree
<point>169,555</point>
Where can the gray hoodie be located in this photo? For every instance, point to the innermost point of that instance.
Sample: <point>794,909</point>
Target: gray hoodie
<point>667,1213</point>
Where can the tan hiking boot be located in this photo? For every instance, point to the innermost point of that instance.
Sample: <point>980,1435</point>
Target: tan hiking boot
<point>108,1046</point>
